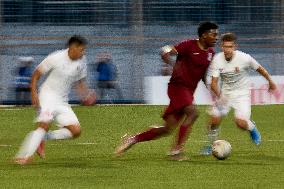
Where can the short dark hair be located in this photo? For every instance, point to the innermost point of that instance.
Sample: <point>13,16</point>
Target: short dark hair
<point>77,39</point>
<point>229,37</point>
<point>205,27</point>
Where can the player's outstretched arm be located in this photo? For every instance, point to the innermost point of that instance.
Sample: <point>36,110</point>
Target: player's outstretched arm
<point>166,52</point>
<point>34,80</point>
<point>266,75</point>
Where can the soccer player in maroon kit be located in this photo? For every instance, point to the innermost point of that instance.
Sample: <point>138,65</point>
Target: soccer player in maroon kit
<point>193,59</point>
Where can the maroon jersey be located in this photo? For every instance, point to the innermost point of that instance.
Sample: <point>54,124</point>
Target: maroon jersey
<point>191,64</point>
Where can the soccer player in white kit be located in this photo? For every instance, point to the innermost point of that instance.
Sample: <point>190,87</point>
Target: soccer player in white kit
<point>232,67</point>
<point>63,69</point>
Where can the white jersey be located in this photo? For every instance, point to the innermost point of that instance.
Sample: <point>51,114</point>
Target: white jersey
<point>234,74</point>
<point>61,72</point>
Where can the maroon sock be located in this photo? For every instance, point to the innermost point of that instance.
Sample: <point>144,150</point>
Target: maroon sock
<point>150,134</point>
<point>182,135</point>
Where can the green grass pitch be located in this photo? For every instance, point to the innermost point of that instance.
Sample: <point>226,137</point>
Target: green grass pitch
<point>88,162</point>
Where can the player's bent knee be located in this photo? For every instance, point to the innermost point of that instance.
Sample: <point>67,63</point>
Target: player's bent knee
<point>77,133</point>
<point>75,130</point>
<point>168,131</point>
<point>164,130</point>
<point>242,124</point>
<point>44,126</point>
<point>196,114</point>
<point>215,121</point>
<point>193,115</point>
<point>191,112</point>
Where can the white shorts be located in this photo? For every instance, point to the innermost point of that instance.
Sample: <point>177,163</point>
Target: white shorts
<point>54,109</point>
<point>241,106</point>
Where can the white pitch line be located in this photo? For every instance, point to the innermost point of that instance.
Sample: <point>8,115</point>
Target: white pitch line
<point>86,143</point>
<point>5,145</point>
<point>11,109</point>
<point>80,143</point>
<point>275,140</point>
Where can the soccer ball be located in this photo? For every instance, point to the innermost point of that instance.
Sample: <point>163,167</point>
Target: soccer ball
<point>221,149</point>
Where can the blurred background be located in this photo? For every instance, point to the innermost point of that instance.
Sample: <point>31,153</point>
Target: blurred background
<point>127,34</point>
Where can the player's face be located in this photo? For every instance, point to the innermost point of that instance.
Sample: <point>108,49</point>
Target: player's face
<point>76,51</point>
<point>211,37</point>
<point>228,48</point>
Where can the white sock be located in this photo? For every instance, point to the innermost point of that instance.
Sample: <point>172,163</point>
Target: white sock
<point>31,143</point>
<point>58,134</point>
<point>251,125</point>
<point>213,135</point>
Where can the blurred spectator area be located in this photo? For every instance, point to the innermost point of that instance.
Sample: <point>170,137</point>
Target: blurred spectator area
<point>133,31</point>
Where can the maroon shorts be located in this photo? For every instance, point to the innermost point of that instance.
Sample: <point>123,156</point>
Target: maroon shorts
<point>180,97</point>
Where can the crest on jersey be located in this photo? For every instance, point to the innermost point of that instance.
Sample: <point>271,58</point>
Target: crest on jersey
<point>210,55</point>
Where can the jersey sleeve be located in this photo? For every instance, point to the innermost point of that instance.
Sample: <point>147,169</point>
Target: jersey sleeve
<point>215,72</point>
<point>182,47</point>
<point>46,65</point>
<point>253,63</point>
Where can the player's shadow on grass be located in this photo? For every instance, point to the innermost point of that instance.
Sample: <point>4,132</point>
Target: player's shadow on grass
<point>239,159</point>
<point>39,164</point>
<point>80,162</point>
<point>259,160</point>
<point>67,162</point>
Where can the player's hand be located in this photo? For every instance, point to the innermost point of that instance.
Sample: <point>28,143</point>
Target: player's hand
<point>272,86</point>
<point>89,98</point>
<point>221,101</point>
